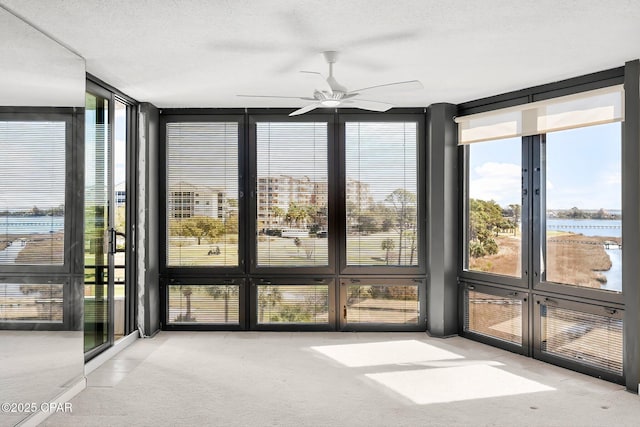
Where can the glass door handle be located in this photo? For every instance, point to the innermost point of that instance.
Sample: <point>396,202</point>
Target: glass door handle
<point>112,241</point>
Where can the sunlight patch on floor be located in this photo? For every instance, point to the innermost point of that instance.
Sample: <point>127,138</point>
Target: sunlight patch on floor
<point>385,353</point>
<point>454,384</point>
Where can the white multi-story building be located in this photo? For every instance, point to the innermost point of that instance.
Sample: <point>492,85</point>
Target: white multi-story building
<point>187,200</point>
<point>276,193</point>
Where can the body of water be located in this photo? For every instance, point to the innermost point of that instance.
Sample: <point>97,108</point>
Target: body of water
<point>597,228</point>
<point>31,224</point>
<point>588,227</point>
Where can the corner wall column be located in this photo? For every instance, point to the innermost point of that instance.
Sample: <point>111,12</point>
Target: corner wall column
<point>631,224</point>
<point>148,282</point>
<point>442,221</point>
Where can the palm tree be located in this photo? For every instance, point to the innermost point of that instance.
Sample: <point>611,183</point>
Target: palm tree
<point>387,245</point>
<point>224,291</point>
<point>277,212</point>
<point>267,296</point>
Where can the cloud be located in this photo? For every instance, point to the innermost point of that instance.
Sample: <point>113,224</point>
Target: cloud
<point>501,182</point>
<point>612,177</point>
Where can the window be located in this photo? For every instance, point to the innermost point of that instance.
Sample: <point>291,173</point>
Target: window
<point>208,304</point>
<point>31,302</point>
<point>381,194</point>
<point>494,314</point>
<point>583,233</point>
<point>32,200</point>
<point>202,194</point>
<point>382,303</point>
<point>585,334</point>
<point>292,194</point>
<point>293,304</point>
<point>544,214</point>
<point>494,207</point>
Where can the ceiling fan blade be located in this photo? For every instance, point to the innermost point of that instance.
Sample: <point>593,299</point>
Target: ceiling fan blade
<point>305,98</point>
<point>396,87</point>
<point>366,104</point>
<point>326,87</point>
<point>305,109</point>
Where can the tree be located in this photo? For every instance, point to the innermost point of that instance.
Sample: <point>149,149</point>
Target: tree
<point>412,235</point>
<point>297,214</point>
<point>576,213</point>
<point>387,245</point>
<point>187,291</point>
<point>485,220</point>
<point>200,227</point>
<point>223,292</point>
<point>601,214</point>
<point>367,224</point>
<point>268,296</point>
<point>404,208</point>
<point>277,212</point>
<point>230,225</point>
<point>515,208</point>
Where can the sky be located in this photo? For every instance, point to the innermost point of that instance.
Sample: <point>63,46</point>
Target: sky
<point>583,165</point>
<point>583,169</point>
<point>380,154</point>
<point>32,162</point>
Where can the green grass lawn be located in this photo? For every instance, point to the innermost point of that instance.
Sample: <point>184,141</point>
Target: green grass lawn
<point>279,251</point>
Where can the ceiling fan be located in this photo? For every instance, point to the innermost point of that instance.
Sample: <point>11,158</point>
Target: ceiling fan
<point>333,94</point>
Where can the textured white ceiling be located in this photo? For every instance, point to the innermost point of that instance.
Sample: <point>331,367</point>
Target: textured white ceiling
<point>35,70</point>
<point>202,53</point>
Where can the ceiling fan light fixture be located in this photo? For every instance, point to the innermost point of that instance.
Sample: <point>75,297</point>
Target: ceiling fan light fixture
<point>330,103</point>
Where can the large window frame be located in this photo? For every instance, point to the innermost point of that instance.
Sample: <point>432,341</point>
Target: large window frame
<point>181,271</point>
<point>253,275</point>
<point>65,267</point>
<point>204,282</point>
<point>422,256</point>
<point>539,241</point>
<point>525,263</point>
<point>531,288</point>
<point>254,268</point>
<point>70,273</point>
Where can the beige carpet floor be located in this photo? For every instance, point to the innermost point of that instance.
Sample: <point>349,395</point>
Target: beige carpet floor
<point>338,379</point>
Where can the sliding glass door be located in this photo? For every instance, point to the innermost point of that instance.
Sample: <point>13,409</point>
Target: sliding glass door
<point>106,290</point>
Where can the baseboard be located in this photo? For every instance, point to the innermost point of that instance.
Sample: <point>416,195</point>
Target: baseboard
<point>40,416</point>
<point>117,347</point>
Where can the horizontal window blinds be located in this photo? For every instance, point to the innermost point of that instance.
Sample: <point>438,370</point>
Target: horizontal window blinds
<point>589,108</point>
<point>381,303</point>
<point>31,302</point>
<point>381,192</point>
<point>292,194</point>
<point>293,304</point>
<point>208,304</point>
<point>589,339</point>
<point>32,195</point>
<point>202,194</point>
<point>494,316</point>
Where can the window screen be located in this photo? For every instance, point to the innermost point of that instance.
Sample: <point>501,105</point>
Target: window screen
<point>31,302</point>
<point>32,195</point>
<point>308,304</point>
<point>381,192</point>
<point>379,303</point>
<point>212,304</point>
<point>291,194</point>
<point>586,338</point>
<point>493,316</point>
<point>202,194</point>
